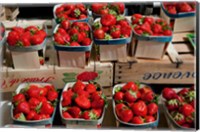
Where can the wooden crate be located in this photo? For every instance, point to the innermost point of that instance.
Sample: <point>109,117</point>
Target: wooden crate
<point>184,24</point>
<point>177,66</point>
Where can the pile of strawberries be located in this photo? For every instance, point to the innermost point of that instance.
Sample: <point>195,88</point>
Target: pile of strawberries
<point>2,30</point>
<point>179,7</point>
<point>25,37</point>
<point>75,34</point>
<point>105,8</point>
<point>71,12</point>
<point>181,105</point>
<point>84,101</point>
<point>111,27</point>
<point>135,105</point>
<point>35,102</point>
<point>149,26</point>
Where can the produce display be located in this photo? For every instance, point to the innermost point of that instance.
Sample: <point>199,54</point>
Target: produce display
<point>111,27</point>
<point>82,101</point>
<point>150,26</point>
<point>71,12</point>
<point>135,104</point>
<point>34,103</point>
<point>25,37</point>
<point>179,7</point>
<point>73,34</point>
<point>180,105</point>
<point>105,8</point>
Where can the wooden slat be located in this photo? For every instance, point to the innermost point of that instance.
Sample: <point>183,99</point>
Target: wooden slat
<point>180,37</point>
<point>183,48</point>
<point>174,56</point>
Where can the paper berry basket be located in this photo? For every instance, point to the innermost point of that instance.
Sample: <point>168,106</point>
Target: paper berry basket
<point>139,126</point>
<point>32,47</point>
<point>32,122</point>
<point>58,20</point>
<point>171,122</point>
<point>79,122</point>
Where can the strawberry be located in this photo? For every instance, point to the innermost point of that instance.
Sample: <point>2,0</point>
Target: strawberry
<point>66,115</point>
<point>87,76</point>
<point>139,108</point>
<point>86,41</point>
<point>46,108</point>
<point>149,20</point>
<point>119,107</point>
<point>152,108</point>
<point>83,93</point>
<point>23,107</point>
<point>172,104</point>
<point>149,119</point>
<point>97,104</point>
<point>90,88</point>
<point>119,96</point>
<point>19,30</point>
<point>167,32</point>
<point>12,38</point>
<point>96,95</point>
<point>157,28</point>
<point>148,97</point>
<point>32,29</point>
<point>108,20</point>
<point>74,44</point>
<point>74,111</point>
<point>65,24</point>
<point>52,95</point>
<point>130,85</point>
<point>66,101</point>
<point>43,91</point>
<point>33,103</point>
<point>33,91</point>
<point>31,115</point>
<point>168,93</point>
<point>131,96</point>
<point>90,115</point>
<point>125,115</point>
<point>78,86</point>
<point>183,92</point>
<point>178,117</point>
<point>137,120</point>
<point>83,102</point>
<point>186,109</point>
<point>18,98</point>
<point>20,116</point>
<point>42,99</point>
<point>190,96</point>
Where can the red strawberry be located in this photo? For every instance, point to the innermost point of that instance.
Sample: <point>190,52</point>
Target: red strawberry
<point>157,28</point>
<point>66,101</point>
<point>152,108</point>
<point>52,95</point>
<point>78,86</point>
<point>33,103</point>
<point>148,97</point>
<point>119,107</point>
<point>97,104</point>
<point>137,120</point>
<point>20,116</point>
<point>90,115</point>
<point>118,96</point>
<point>99,33</point>
<point>66,115</point>
<point>186,109</point>
<point>87,76</point>
<point>31,115</point>
<point>167,32</point>
<point>23,107</point>
<point>183,92</point>
<point>19,30</point>
<point>131,96</point>
<point>168,93</point>
<point>108,20</point>
<point>83,93</point>
<point>18,98</point>
<point>149,119</point>
<point>32,29</point>
<point>65,24</point>
<point>74,44</point>
<point>96,96</point>
<point>172,104</point>
<point>86,41</point>
<point>83,102</point>
<point>43,91</point>
<point>90,88</point>
<point>139,108</point>
<point>74,111</point>
<point>178,117</point>
<point>130,85</point>
<point>12,38</point>
<point>33,91</point>
<point>42,99</point>
<point>150,20</point>
<point>46,108</point>
<point>126,115</point>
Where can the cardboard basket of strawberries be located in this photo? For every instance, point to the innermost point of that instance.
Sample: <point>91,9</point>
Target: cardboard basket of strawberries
<point>2,34</point>
<point>151,28</point>
<point>99,9</point>
<point>82,103</point>
<point>72,36</point>
<point>71,12</point>
<point>111,30</point>
<point>179,9</point>
<point>34,104</point>
<point>27,38</point>
<point>136,105</point>
<point>179,107</point>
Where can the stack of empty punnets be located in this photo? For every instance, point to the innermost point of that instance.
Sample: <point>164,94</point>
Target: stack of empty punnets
<point>27,43</point>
